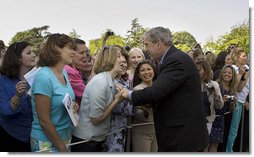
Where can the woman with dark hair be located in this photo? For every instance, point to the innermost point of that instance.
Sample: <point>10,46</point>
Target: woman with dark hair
<point>51,128</point>
<point>15,104</point>
<point>222,59</point>
<point>196,55</point>
<point>87,67</point>
<point>73,69</point>
<point>143,137</point>
<point>210,59</point>
<point>211,94</point>
<point>2,51</point>
<point>137,80</point>
<point>117,142</point>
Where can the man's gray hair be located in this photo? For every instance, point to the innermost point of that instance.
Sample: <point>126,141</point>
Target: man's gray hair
<point>160,33</point>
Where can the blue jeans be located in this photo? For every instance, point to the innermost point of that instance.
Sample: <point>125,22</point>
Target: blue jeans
<point>236,118</point>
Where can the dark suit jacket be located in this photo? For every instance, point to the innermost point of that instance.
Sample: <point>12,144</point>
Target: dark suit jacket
<point>178,111</point>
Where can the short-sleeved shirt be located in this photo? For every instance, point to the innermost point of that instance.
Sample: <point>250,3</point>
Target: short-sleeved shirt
<point>98,95</point>
<point>46,83</point>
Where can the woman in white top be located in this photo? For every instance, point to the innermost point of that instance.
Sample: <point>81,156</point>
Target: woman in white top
<point>240,59</point>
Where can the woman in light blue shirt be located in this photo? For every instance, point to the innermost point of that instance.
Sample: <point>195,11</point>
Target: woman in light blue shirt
<point>51,128</point>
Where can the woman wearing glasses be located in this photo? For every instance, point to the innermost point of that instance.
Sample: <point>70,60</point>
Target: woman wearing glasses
<point>87,66</point>
<point>73,71</point>
<point>15,104</point>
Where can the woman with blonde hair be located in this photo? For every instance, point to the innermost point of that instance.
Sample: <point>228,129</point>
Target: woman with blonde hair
<point>240,59</point>
<point>221,124</point>
<point>135,56</point>
<point>98,102</point>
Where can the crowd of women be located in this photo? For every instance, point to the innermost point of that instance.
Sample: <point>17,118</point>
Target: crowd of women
<point>37,121</point>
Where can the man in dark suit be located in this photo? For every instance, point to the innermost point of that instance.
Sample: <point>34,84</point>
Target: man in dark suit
<point>176,94</point>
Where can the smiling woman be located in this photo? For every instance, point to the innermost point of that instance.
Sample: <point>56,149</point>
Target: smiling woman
<point>73,70</point>
<point>135,56</point>
<point>15,104</point>
<point>143,137</point>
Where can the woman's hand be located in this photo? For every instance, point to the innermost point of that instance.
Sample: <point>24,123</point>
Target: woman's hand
<point>21,88</point>
<point>247,105</point>
<point>118,95</point>
<point>232,106</point>
<point>63,148</point>
<point>119,87</point>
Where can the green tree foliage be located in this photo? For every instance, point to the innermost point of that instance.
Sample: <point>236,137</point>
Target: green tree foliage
<point>96,44</point>
<point>35,36</point>
<point>239,35</point>
<point>135,33</point>
<point>74,34</point>
<point>184,40</point>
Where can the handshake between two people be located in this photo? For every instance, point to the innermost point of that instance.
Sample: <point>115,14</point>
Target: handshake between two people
<point>122,93</point>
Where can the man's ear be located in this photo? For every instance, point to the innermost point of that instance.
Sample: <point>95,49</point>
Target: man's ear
<point>159,44</point>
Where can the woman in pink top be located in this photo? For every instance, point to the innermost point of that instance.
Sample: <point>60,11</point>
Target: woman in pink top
<point>74,74</point>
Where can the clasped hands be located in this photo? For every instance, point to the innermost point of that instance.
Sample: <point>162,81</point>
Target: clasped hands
<point>122,93</point>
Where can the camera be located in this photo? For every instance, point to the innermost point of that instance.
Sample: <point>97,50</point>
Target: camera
<point>127,48</point>
<point>209,86</point>
<point>230,97</point>
<point>246,68</point>
<point>110,33</point>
